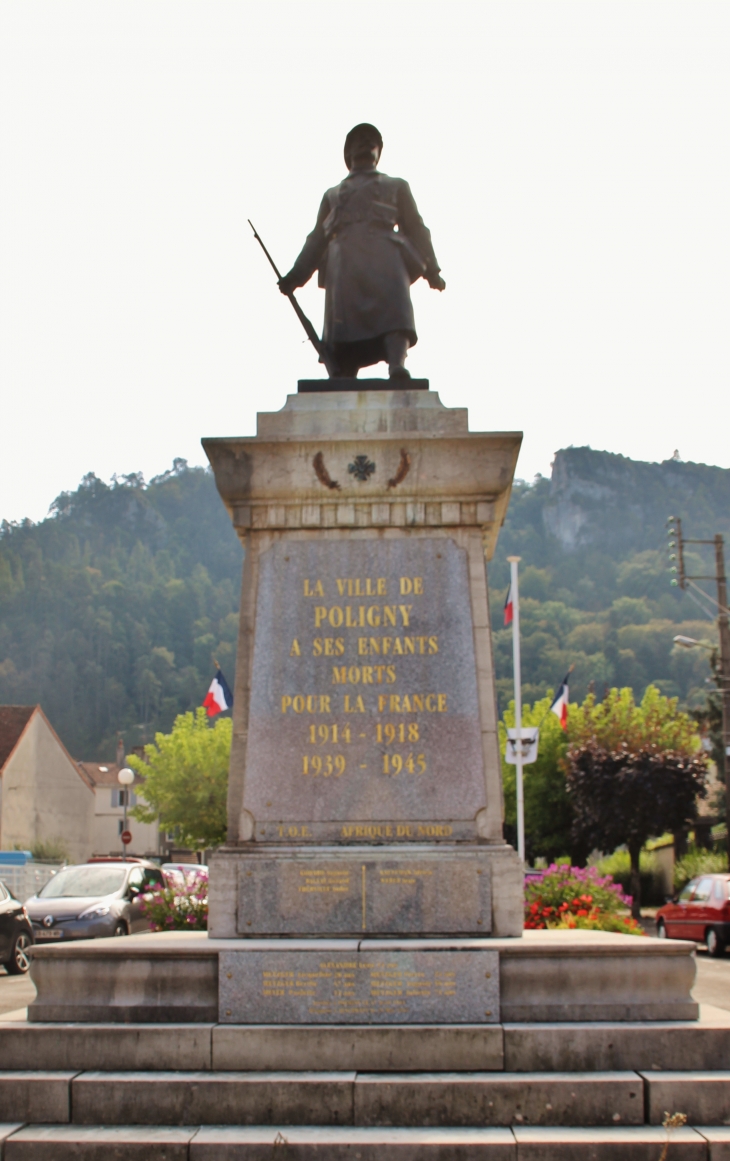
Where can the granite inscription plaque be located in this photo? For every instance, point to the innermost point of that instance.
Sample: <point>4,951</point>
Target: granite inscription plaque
<point>364,722</point>
<point>359,987</point>
<point>443,893</point>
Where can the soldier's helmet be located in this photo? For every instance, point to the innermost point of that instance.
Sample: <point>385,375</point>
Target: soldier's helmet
<point>363,131</point>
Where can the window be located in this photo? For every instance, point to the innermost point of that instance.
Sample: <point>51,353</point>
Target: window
<point>83,882</point>
<point>687,891</point>
<point>119,796</point>
<point>703,891</point>
<point>719,892</point>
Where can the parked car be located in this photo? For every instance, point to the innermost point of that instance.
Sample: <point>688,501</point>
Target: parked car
<point>16,933</point>
<point>93,900</point>
<point>701,912</point>
<point>183,873</point>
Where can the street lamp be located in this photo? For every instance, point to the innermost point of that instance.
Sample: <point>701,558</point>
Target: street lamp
<point>689,643</point>
<point>125,778</point>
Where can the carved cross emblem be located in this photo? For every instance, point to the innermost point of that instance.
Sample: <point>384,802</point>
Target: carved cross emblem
<point>362,468</point>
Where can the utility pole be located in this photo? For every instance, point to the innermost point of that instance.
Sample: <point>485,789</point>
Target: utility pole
<point>723,625</point>
<point>724,674</point>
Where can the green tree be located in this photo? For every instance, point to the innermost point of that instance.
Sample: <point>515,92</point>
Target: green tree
<point>186,779</point>
<point>548,815</point>
<point>633,771</point>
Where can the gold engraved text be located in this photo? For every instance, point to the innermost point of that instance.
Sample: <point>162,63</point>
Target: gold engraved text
<point>397,646</point>
<point>395,703</point>
<point>367,674</point>
<point>361,616</point>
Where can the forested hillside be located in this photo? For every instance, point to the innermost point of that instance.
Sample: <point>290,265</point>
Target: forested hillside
<point>112,609</point>
<point>595,582</point>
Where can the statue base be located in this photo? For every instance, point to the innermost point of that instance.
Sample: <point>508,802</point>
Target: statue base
<point>350,384</point>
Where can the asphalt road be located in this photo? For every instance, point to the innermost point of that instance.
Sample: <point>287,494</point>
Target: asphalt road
<point>712,986</point>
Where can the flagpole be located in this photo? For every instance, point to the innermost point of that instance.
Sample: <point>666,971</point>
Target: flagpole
<point>513,562</point>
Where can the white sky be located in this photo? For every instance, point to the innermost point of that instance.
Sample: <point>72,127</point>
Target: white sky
<point>570,158</point>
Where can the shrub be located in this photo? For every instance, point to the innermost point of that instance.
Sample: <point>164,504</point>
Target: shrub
<point>574,897</point>
<point>698,861</point>
<point>618,865</point>
<point>181,905</point>
<point>49,851</point>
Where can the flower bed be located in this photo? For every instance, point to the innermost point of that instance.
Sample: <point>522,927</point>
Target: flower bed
<point>182,905</point>
<point>576,898</point>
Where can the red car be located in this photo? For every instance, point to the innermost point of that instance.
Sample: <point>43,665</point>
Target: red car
<point>700,912</point>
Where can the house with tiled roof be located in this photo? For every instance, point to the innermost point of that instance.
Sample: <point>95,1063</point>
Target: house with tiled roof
<point>45,797</point>
<point>109,811</point>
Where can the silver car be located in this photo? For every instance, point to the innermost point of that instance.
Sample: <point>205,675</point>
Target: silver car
<point>93,900</point>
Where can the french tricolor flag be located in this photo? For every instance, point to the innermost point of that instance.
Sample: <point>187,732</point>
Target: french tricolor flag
<point>509,611</point>
<point>219,697</point>
<point>560,704</point>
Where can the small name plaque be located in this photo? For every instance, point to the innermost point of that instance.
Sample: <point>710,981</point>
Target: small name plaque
<point>359,987</point>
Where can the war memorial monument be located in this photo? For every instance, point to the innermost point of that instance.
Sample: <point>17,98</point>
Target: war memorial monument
<point>365,989</point>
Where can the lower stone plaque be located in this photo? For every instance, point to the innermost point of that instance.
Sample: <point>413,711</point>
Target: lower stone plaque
<point>359,987</point>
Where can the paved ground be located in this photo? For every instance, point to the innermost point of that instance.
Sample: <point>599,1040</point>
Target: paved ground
<point>712,987</point>
<point>713,980</point>
<point>15,992</point>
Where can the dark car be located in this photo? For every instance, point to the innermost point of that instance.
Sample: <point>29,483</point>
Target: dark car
<point>16,933</point>
<point>701,912</point>
<point>93,900</point>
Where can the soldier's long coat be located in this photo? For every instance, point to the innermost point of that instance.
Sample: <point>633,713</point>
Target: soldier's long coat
<point>365,264</point>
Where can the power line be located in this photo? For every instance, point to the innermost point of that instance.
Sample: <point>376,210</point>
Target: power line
<point>715,603</point>
<point>700,606</point>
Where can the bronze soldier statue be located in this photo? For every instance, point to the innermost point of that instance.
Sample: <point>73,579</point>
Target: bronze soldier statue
<point>365,264</point>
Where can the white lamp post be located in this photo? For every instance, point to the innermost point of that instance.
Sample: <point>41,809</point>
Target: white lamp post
<point>519,752</point>
<point>125,778</point>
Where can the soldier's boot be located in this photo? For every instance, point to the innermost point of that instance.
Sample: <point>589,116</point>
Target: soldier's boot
<point>396,349</point>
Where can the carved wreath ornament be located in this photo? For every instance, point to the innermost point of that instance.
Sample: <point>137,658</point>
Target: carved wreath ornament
<point>362,469</point>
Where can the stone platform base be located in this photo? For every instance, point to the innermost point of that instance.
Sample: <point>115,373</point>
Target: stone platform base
<point>556,976</point>
<point>523,1092</point>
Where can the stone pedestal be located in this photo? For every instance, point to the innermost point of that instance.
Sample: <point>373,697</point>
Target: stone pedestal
<point>365,794</point>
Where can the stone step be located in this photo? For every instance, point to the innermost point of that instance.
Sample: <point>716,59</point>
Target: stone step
<point>643,1143</point>
<point>703,1096</point>
<point>588,1046</point>
<point>101,1046</point>
<point>99,1143</point>
<point>213,1098</point>
<point>344,1143</point>
<point>440,1099</point>
<point>367,1099</point>
<point>35,1096</point>
<point>360,1048</point>
<point>555,1047</point>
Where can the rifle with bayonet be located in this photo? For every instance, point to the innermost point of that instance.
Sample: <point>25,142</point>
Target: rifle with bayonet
<point>312,335</point>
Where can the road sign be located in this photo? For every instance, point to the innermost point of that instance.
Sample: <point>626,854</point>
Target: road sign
<point>126,837</point>
<point>530,737</point>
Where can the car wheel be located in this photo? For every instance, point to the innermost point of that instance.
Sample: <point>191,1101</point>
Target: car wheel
<point>121,928</point>
<point>19,961</point>
<point>715,946</point>
<point>661,931</point>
